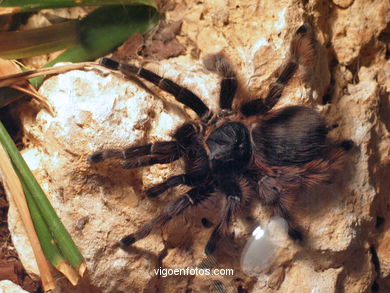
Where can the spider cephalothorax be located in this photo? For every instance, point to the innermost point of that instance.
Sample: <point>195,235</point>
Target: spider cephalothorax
<point>246,150</point>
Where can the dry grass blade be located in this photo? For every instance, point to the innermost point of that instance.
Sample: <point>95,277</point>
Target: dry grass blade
<point>9,10</point>
<point>7,67</point>
<point>12,79</point>
<point>48,243</point>
<point>32,92</point>
<point>38,41</point>
<point>14,188</point>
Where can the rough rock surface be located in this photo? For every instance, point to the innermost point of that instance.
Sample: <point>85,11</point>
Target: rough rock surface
<point>7,286</point>
<point>347,223</point>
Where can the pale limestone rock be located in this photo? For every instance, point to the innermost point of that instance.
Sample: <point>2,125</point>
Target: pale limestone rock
<point>357,280</point>
<point>7,286</point>
<point>95,110</point>
<point>177,258</point>
<point>302,277</point>
<point>356,29</point>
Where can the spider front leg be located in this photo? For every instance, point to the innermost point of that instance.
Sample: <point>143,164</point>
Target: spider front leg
<point>144,155</point>
<point>180,93</point>
<point>219,63</point>
<point>153,153</point>
<point>192,198</point>
<point>301,54</point>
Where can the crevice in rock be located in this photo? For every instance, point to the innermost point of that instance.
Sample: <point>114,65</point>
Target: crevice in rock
<point>343,6</point>
<point>384,37</point>
<point>379,222</point>
<point>12,124</point>
<point>384,107</point>
<point>375,261</point>
<point>240,289</point>
<point>160,259</point>
<point>354,69</point>
<point>367,56</point>
<point>327,98</point>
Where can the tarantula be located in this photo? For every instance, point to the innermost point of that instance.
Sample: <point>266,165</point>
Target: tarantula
<point>244,151</point>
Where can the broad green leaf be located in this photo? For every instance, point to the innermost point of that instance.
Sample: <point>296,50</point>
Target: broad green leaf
<point>106,28</point>
<point>15,6</point>
<point>22,44</point>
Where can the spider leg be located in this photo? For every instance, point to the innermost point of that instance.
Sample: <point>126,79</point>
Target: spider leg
<point>281,191</point>
<point>180,93</point>
<point>169,183</point>
<point>192,198</point>
<point>196,162</point>
<point>148,161</point>
<point>234,195</point>
<point>152,153</point>
<point>277,193</point>
<point>190,179</point>
<point>148,154</point>
<point>226,217</point>
<point>219,63</point>
<point>293,230</point>
<point>301,53</point>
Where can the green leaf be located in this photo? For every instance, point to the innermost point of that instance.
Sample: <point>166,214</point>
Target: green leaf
<point>61,235</point>
<point>48,243</point>
<point>105,29</point>
<point>98,34</point>
<point>15,6</point>
<point>21,44</point>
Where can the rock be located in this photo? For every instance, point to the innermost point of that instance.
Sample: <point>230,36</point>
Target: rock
<point>302,277</point>
<point>85,101</point>
<point>343,3</point>
<point>355,39</point>
<point>95,110</point>
<point>7,286</point>
<point>384,255</point>
<point>355,280</point>
<point>110,197</point>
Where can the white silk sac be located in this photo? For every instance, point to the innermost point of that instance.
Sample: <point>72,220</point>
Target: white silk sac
<point>263,246</point>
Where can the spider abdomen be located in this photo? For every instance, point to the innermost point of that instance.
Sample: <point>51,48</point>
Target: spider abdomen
<point>229,147</point>
<point>292,136</point>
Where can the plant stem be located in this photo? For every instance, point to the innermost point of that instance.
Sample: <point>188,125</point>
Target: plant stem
<point>61,235</point>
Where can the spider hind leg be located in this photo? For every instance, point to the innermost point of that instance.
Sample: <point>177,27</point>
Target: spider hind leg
<point>293,231</point>
<point>235,191</point>
<point>273,193</point>
<point>221,229</point>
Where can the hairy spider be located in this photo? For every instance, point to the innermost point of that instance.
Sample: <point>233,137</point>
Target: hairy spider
<point>244,151</point>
